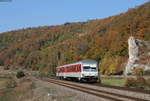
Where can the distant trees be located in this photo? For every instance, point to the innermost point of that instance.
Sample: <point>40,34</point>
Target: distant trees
<point>67,23</point>
<point>82,46</point>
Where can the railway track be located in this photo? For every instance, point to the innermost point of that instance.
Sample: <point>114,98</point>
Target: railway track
<point>124,88</point>
<point>96,92</point>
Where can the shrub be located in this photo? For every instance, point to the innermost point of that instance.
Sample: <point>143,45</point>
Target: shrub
<point>130,82</point>
<point>138,71</point>
<point>148,83</point>
<point>46,74</point>
<point>140,82</point>
<point>20,74</point>
<point>147,72</point>
<point>129,73</point>
<point>11,83</point>
<point>6,68</point>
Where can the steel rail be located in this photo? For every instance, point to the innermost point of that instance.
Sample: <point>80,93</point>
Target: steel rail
<point>88,90</point>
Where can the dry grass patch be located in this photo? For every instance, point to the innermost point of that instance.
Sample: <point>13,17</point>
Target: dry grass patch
<point>21,92</point>
<point>2,82</point>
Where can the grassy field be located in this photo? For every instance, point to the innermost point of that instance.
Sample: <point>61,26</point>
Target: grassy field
<point>113,81</point>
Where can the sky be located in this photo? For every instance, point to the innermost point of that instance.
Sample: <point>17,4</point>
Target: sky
<point>19,14</point>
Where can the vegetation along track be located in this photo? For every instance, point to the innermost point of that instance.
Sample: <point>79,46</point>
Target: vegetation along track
<point>99,93</point>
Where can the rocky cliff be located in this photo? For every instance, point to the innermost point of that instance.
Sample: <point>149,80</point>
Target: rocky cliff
<point>139,55</point>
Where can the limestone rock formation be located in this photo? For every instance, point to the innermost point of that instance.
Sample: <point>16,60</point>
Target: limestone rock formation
<point>139,55</point>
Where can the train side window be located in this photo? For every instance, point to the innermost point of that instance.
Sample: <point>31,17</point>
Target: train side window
<point>78,68</point>
<point>86,68</point>
<point>58,70</point>
<point>71,68</point>
<point>62,69</point>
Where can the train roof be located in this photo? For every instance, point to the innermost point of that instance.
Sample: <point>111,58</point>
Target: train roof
<point>88,61</point>
<point>80,62</point>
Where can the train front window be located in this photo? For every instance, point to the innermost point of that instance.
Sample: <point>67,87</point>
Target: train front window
<point>86,68</point>
<point>93,69</point>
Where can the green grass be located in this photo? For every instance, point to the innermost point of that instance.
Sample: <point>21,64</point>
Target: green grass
<point>113,81</point>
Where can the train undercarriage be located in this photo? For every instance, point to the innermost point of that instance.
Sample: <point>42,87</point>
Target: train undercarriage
<point>88,79</point>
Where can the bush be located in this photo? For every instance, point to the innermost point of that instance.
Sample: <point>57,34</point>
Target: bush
<point>6,68</point>
<point>46,74</point>
<point>140,82</point>
<point>138,71</point>
<point>11,83</point>
<point>130,82</point>
<point>148,83</point>
<point>129,73</point>
<point>147,72</point>
<point>20,74</point>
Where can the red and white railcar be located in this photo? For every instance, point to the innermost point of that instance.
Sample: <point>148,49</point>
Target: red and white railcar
<point>85,70</point>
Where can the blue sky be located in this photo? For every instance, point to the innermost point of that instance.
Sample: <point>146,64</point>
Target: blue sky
<point>20,14</point>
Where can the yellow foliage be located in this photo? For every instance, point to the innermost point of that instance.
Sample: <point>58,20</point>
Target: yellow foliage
<point>109,64</point>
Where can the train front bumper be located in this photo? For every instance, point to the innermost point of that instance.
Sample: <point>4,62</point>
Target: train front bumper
<point>89,78</point>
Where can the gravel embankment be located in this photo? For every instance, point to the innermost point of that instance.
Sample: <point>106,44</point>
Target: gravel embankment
<point>117,91</point>
<point>60,93</point>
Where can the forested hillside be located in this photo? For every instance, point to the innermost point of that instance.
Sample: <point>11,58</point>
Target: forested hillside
<point>104,40</point>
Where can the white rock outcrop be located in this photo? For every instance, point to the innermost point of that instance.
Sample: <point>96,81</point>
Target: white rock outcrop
<point>136,58</point>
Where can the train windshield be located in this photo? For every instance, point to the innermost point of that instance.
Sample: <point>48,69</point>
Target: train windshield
<point>88,68</point>
<point>93,69</point>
